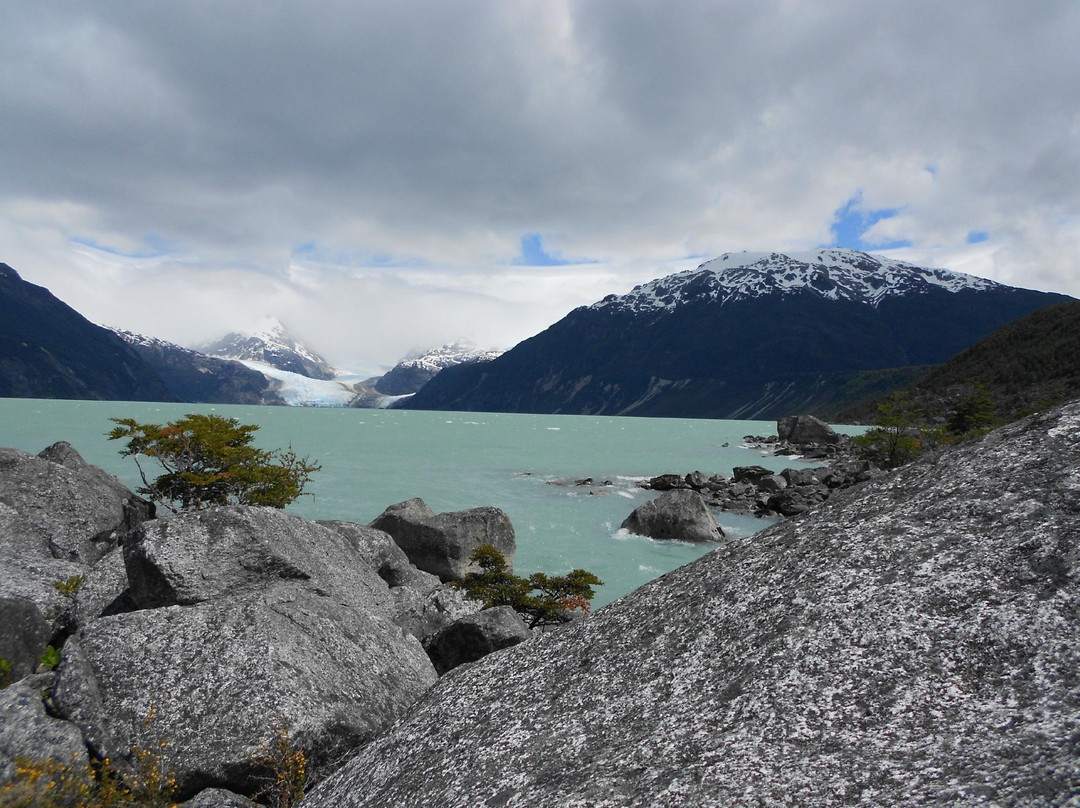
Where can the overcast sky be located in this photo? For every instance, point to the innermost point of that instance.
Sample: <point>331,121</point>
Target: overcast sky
<point>396,175</point>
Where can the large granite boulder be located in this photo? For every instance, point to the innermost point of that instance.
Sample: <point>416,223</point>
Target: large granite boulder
<point>422,604</point>
<point>381,553</point>
<point>28,731</point>
<point>239,620</point>
<point>232,550</point>
<point>423,612</point>
<point>218,679</point>
<point>104,590</point>
<point>912,642</point>
<point>805,429</point>
<point>82,509</point>
<point>476,636</point>
<point>679,514</point>
<point>218,798</point>
<point>24,635</point>
<point>442,544</point>
<point>28,570</point>
<point>58,517</point>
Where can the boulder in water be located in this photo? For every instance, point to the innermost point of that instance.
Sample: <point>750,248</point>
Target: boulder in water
<point>805,429</point>
<point>443,544</point>
<point>679,514</point>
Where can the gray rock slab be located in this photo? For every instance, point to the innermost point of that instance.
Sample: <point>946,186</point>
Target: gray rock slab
<point>219,678</point>
<point>679,514</point>
<point>104,590</point>
<point>913,642</point>
<point>82,509</point>
<point>27,730</point>
<point>423,612</point>
<point>218,798</point>
<point>222,552</point>
<point>382,555</point>
<point>475,636</point>
<point>24,635</point>
<point>442,544</point>
<point>29,571</point>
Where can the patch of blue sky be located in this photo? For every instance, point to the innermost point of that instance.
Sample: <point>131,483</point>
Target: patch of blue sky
<point>533,254</point>
<point>977,236</point>
<point>851,221</point>
<point>153,246</point>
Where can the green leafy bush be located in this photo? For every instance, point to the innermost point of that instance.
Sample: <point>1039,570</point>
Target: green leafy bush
<point>896,439</point>
<point>50,658</point>
<point>209,460</point>
<point>541,599</point>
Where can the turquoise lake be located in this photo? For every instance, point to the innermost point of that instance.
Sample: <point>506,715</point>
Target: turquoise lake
<point>524,464</point>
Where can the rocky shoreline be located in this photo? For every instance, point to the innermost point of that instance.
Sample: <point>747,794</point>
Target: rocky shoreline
<point>868,653</point>
<point>206,633</point>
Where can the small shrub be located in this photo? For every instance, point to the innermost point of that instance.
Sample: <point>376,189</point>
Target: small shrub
<point>50,658</point>
<point>70,586</point>
<point>972,414</point>
<point>56,784</point>
<point>287,770</point>
<point>541,599</point>
<point>5,672</point>
<point>897,437</point>
<point>209,460</point>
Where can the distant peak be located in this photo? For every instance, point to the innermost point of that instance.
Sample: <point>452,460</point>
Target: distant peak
<point>272,344</point>
<point>831,273</point>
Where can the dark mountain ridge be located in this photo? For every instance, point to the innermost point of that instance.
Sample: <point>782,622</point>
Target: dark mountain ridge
<point>49,350</point>
<point>1029,364</point>
<point>196,377</point>
<point>744,336</point>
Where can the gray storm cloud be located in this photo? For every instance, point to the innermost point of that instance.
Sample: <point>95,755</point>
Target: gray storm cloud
<point>368,172</point>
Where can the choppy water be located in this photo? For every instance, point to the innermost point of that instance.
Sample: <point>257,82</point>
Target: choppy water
<point>374,458</point>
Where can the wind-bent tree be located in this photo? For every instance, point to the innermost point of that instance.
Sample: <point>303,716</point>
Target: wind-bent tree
<point>209,460</point>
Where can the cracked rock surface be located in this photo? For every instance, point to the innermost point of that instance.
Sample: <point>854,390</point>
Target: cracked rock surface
<point>911,642</point>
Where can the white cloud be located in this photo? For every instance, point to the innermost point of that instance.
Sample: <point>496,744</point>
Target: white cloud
<point>367,172</point>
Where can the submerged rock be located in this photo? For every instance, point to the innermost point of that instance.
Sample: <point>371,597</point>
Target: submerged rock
<point>912,642</point>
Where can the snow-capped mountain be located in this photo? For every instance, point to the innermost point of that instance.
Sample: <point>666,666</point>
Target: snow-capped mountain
<point>271,344</point>
<point>747,335</point>
<point>833,274</point>
<point>412,373</point>
<point>197,377</point>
